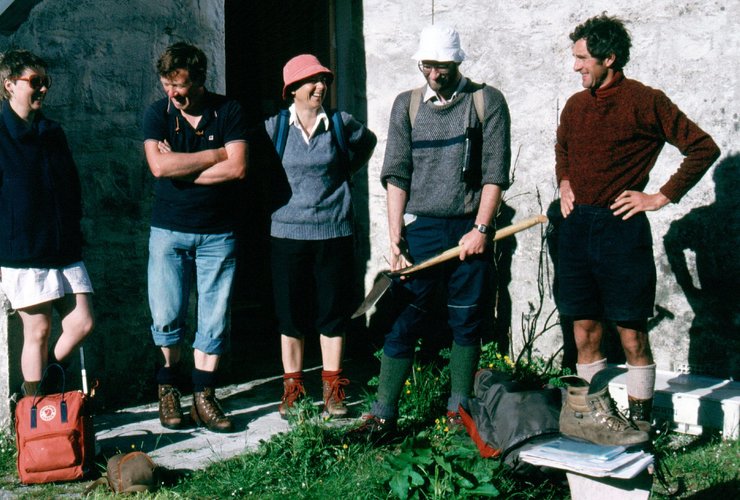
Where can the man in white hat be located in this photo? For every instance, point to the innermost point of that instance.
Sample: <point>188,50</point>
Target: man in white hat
<point>446,164</point>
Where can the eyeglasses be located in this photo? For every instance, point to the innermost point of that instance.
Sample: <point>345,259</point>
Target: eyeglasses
<point>442,68</point>
<point>36,81</point>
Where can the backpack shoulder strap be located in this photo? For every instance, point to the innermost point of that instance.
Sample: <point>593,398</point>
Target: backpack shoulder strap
<point>339,136</point>
<point>338,131</point>
<point>280,136</point>
<point>479,102</point>
<point>416,96</point>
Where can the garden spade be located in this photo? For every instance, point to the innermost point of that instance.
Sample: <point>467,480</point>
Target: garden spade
<point>385,280</point>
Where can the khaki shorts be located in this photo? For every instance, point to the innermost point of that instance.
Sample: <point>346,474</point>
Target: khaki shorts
<point>27,287</point>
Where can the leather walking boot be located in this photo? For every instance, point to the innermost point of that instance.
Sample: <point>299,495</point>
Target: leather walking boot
<point>641,412</point>
<point>293,390</point>
<point>594,418</point>
<point>170,412</point>
<point>333,390</point>
<point>206,411</point>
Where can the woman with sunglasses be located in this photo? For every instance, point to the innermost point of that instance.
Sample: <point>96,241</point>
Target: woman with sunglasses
<point>41,266</point>
<point>311,230</point>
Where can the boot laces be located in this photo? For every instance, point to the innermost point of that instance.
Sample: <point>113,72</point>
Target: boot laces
<point>336,392</point>
<point>170,399</point>
<point>212,407</point>
<point>292,391</point>
<point>606,412</point>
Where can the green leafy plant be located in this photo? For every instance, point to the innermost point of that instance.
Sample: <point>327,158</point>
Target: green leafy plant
<point>425,467</point>
<point>532,370</point>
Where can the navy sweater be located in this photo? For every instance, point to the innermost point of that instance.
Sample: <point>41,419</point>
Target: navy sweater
<point>40,207</point>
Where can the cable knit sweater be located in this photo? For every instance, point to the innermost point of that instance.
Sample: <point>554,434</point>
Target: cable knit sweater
<point>426,161</point>
<point>609,140</point>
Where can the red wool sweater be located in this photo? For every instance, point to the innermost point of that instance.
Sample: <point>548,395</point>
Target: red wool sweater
<point>608,141</point>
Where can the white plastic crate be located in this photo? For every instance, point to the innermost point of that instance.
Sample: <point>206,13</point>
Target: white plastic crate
<point>690,402</point>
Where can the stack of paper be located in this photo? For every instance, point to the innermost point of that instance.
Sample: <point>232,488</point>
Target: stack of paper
<point>588,458</point>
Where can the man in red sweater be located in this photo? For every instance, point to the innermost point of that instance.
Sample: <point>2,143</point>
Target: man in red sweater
<point>608,140</point>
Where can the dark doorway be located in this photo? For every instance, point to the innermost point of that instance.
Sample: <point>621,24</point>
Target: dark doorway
<point>260,38</point>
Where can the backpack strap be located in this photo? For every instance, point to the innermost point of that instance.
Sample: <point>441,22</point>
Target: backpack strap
<point>338,132</point>
<point>280,136</point>
<point>416,96</point>
<point>480,103</point>
<point>339,136</point>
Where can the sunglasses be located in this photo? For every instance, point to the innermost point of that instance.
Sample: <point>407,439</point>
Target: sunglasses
<point>36,81</point>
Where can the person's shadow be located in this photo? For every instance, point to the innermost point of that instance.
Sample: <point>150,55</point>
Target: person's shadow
<point>703,249</point>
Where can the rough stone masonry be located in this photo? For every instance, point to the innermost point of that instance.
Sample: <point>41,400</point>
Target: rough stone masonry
<point>102,54</point>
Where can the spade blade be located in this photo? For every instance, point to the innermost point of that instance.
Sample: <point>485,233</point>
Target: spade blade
<point>382,284</point>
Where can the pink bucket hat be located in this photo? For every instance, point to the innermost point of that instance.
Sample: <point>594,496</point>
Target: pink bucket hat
<point>302,67</point>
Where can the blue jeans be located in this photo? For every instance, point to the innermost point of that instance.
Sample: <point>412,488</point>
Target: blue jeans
<point>174,258</point>
<point>465,283</point>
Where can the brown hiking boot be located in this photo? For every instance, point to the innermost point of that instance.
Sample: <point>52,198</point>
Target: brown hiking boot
<point>334,396</point>
<point>170,413</point>
<point>293,390</point>
<point>206,411</point>
<point>375,429</point>
<point>594,418</point>
<point>641,412</point>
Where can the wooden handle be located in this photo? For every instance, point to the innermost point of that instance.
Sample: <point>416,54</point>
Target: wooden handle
<point>455,252</point>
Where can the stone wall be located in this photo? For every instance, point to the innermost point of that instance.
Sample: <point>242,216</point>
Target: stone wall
<point>685,48</point>
<point>102,56</point>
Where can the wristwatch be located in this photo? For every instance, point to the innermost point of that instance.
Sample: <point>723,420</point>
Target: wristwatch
<point>482,228</point>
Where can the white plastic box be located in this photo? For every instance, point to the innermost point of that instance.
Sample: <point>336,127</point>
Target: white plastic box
<point>690,403</point>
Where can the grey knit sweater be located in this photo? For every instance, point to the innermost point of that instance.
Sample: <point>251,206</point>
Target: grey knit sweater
<point>316,204</point>
<point>427,161</point>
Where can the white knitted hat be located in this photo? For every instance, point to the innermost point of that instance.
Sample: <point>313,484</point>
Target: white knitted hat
<point>439,43</point>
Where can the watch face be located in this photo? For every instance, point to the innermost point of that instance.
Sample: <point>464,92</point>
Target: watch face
<point>482,228</point>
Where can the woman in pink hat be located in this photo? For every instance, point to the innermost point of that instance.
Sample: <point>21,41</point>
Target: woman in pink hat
<point>311,228</point>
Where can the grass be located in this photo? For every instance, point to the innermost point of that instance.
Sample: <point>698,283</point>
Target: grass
<point>318,460</point>
<point>699,467</point>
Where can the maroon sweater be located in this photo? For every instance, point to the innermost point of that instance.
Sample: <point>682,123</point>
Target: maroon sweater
<point>609,140</point>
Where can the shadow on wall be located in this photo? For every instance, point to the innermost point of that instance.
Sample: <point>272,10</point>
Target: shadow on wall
<point>703,249</point>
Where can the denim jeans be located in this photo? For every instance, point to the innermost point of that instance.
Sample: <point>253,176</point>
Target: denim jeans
<point>465,283</point>
<point>174,259</point>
